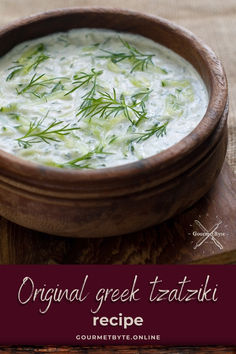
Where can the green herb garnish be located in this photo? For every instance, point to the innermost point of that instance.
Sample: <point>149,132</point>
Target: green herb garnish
<point>139,60</point>
<point>84,160</point>
<point>157,129</point>
<point>83,79</point>
<point>142,95</point>
<point>37,133</point>
<point>140,98</point>
<point>29,60</point>
<point>38,82</point>
<point>110,105</point>
<point>113,138</point>
<point>15,69</point>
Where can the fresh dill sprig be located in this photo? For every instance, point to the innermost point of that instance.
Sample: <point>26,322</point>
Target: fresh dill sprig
<point>29,60</point>
<point>113,138</point>
<point>139,60</point>
<point>156,129</point>
<point>84,160</point>
<point>37,133</point>
<point>141,96</point>
<point>37,82</point>
<point>41,58</point>
<point>15,69</point>
<point>110,105</point>
<point>34,81</point>
<point>83,79</point>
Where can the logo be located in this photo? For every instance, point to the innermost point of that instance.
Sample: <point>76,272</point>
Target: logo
<point>207,236</point>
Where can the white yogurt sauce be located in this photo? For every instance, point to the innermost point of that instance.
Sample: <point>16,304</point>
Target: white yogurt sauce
<point>96,98</point>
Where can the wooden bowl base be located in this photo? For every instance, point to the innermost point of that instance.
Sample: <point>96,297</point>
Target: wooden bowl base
<point>171,242</point>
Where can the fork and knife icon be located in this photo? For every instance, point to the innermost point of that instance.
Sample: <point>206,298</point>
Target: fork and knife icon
<point>209,234</point>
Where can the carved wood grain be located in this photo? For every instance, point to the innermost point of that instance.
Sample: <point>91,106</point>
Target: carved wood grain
<point>166,243</point>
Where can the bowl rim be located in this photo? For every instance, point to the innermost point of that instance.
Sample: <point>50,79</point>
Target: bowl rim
<point>216,106</point>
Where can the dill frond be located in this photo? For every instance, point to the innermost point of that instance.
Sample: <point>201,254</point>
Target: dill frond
<point>140,61</point>
<point>37,133</point>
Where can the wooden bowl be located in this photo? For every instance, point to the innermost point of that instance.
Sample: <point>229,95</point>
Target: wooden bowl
<point>123,199</point>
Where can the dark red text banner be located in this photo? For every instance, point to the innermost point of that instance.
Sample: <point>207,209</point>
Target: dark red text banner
<point>117,305</point>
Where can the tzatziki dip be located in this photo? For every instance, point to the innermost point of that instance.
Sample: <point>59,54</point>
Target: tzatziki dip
<point>92,98</point>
